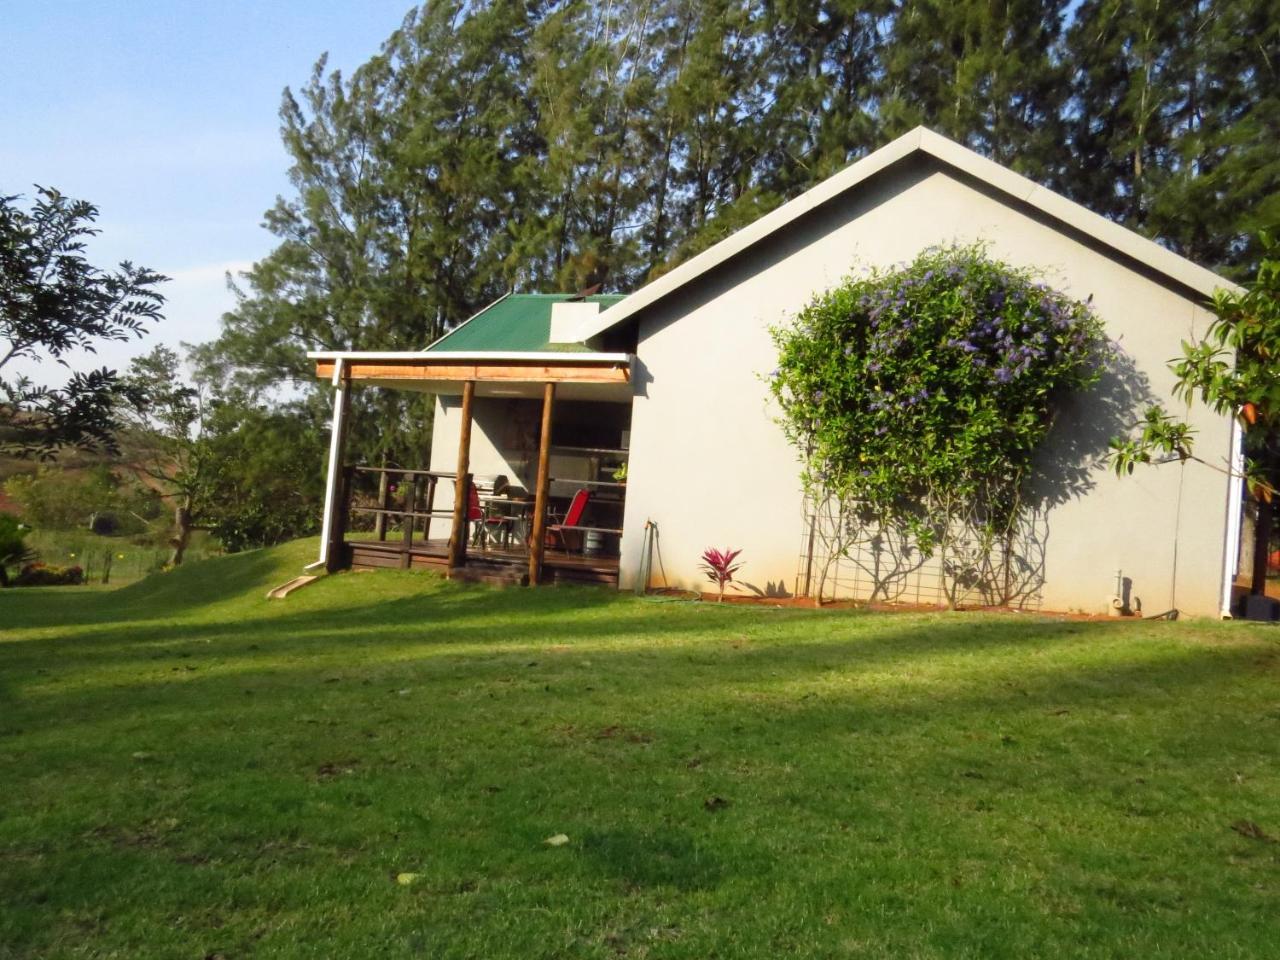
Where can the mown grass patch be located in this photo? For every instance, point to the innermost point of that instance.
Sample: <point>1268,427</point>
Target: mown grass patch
<point>373,766</point>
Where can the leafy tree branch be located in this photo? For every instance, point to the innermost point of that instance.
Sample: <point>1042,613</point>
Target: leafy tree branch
<point>53,304</point>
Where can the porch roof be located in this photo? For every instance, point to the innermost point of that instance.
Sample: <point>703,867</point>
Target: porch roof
<point>517,321</point>
<point>585,375</point>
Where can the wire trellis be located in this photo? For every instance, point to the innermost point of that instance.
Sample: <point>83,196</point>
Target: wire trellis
<point>848,560</point>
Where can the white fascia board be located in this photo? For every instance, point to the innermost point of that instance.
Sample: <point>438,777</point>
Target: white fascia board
<point>920,140</point>
<point>445,357</point>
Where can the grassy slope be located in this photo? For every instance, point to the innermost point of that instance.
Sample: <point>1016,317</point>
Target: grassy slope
<point>192,771</point>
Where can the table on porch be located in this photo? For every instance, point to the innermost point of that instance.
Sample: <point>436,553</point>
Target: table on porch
<point>513,516</point>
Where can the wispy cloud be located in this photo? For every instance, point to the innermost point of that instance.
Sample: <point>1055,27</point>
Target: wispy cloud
<point>197,298</point>
<point>201,275</point>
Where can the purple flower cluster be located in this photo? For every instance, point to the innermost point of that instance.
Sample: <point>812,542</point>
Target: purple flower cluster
<point>913,351</point>
<point>919,397</point>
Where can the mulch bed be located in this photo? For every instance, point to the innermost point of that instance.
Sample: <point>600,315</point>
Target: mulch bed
<point>806,603</point>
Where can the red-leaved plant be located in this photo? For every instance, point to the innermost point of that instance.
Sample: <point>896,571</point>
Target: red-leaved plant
<point>720,567</point>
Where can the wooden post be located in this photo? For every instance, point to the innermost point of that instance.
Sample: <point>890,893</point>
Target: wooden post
<point>406,524</point>
<point>334,530</point>
<point>343,520</point>
<point>1261,549</point>
<point>458,535</point>
<point>539,532</point>
<point>430,506</point>
<point>384,503</point>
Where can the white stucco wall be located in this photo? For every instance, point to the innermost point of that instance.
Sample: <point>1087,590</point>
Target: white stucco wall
<point>711,468</point>
<point>489,415</point>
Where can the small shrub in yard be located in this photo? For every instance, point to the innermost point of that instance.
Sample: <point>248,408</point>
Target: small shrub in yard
<point>13,545</point>
<point>720,568</point>
<point>43,575</point>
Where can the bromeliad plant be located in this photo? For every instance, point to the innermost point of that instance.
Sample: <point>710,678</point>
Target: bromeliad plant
<point>720,567</point>
<point>919,396</point>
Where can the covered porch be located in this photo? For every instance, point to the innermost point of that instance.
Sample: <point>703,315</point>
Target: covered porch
<point>527,476</point>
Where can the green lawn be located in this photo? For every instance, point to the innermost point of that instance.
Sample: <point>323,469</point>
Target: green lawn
<point>191,771</point>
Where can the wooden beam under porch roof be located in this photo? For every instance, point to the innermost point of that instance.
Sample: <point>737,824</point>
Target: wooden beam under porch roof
<point>506,368</point>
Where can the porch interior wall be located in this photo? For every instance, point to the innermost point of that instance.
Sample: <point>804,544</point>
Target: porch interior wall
<point>504,440</point>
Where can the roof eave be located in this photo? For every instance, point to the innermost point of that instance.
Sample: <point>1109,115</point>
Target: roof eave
<point>392,368</point>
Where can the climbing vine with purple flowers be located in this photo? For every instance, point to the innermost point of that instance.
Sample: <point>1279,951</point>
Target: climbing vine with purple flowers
<point>919,396</point>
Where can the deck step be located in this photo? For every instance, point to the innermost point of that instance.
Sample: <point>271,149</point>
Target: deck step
<point>578,575</point>
<point>494,574</point>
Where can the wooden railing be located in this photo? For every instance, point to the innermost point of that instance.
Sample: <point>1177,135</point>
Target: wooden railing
<point>414,500</point>
<point>421,489</point>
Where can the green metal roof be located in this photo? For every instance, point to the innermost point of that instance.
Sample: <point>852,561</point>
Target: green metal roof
<point>519,321</point>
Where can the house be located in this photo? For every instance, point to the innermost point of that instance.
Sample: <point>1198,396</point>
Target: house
<point>553,394</point>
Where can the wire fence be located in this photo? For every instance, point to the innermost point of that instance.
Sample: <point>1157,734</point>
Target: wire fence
<point>114,560</point>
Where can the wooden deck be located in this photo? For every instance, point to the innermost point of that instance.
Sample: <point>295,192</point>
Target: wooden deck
<point>484,564</point>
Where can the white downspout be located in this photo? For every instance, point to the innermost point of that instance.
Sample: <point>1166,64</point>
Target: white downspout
<point>1235,512</point>
<point>331,484</point>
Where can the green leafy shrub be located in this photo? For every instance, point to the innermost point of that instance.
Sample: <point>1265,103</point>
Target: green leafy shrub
<point>13,545</point>
<point>43,575</point>
<point>919,396</point>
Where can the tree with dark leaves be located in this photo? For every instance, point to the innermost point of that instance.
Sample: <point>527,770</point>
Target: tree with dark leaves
<point>54,303</point>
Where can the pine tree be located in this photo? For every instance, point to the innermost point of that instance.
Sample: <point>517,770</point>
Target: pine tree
<point>406,177</point>
<point>556,144</point>
<point>826,61</point>
<point>1175,117</point>
<point>983,73</point>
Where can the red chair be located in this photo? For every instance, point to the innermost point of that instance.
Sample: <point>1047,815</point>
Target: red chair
<point>477,515</point>
<point>562,534</point>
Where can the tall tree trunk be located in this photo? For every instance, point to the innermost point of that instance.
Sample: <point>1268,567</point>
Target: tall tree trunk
<point>181,532</point>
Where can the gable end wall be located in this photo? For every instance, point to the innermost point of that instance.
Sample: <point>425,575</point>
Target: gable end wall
<point>710,466</point>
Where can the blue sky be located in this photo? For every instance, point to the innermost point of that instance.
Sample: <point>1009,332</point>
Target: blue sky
<point>163,113</point>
